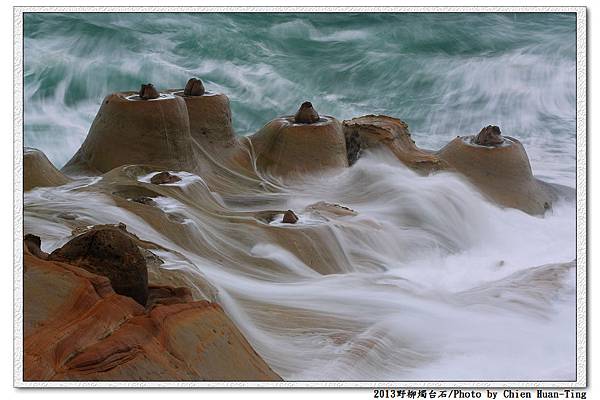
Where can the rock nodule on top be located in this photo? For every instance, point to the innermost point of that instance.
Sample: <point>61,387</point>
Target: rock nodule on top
<point>194,87</point>
<point>148,92</point>
<point>489,136</point>
<point>306,114</point>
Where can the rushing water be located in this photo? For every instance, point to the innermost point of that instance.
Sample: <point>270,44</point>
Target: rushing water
<point>429,281</point>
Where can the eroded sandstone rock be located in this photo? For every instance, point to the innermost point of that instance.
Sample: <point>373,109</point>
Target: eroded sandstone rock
<point>371,131</point>
<point>77,328</point>
<point>128,130</point>
<point>38,171</point>
<point>110,252</point>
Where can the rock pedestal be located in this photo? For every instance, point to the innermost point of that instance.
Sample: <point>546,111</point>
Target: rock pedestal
<point>131,130</point>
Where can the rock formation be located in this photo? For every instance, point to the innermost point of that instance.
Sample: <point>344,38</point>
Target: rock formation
<point>128,130</point>
<point>306,114</point>
<point>163,178</point>
<point>38,171</point>
<point>489,136</point>
<point>77,328</point>
<point>148,92</point>
<point>289,217</point>
<point>502,173</point>
<point>284,147</point>
<point>371,131</point>
<point>109,252</point>
<point>194,87</point>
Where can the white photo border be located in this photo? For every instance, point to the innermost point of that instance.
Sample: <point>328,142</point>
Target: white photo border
<point>581,190</point>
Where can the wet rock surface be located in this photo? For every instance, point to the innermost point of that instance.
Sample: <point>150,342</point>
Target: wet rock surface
<point>289,217</point>
<point>489,136</point>
<point>148,92</point>
<point>164,177</point>
<point>194,87</point>
<point>306,114</point>
<point>76,328</point>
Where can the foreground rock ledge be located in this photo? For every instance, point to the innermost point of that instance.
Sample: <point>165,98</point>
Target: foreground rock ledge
<point>77,328</point>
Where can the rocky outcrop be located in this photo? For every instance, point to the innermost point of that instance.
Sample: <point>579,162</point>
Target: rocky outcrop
<point>110,252</point>
<point>77,328</point>
<point>501,172</point>
<point>285,148</point>
<point>131,130</point>
<point>38,171</point>
<point>371,131</point>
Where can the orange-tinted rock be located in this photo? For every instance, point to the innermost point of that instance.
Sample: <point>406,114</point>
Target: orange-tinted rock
<point>33,244</point>
<point>110,252</point>
<point>77,328</point>
<point>380,130</point>
<point>38,171</point>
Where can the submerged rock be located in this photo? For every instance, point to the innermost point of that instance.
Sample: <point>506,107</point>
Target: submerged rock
<point>306,114</point>
<point>489,136</point>
<point>289,217</point>
<point>144,200</point>
<point>164,177</point>
<point>194,87</point>
<point>110,252</point>
<point>148,92</point>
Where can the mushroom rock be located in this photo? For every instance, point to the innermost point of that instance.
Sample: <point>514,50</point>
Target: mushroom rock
<point>38,171</point>
<point>501,172</point>
<point>194,87</point>
<point>306,114</point>
<point>130,130</point>
<point>76,328</point>
<point>377,130</point>
<point>209,115</point>
<point>148,92</point>
<point>489,136</point>
<point>289,217</point>
<point>284,147</point>
<point>111,252</point>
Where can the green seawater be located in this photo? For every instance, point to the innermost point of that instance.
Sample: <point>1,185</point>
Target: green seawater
<point>445,74</point>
